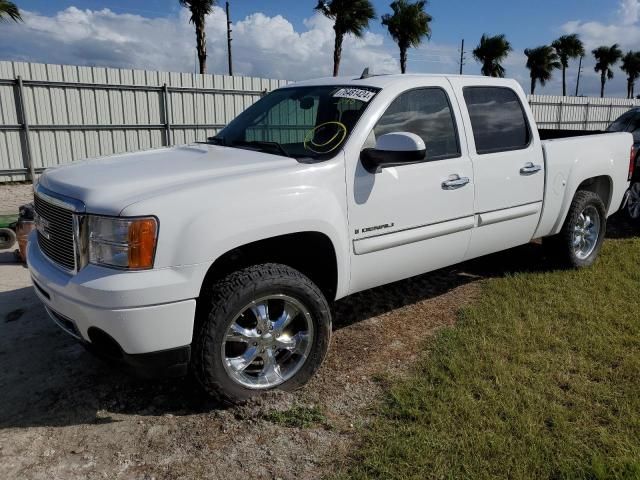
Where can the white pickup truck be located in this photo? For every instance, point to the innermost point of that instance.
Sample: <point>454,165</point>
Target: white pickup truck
<point>222,257</point>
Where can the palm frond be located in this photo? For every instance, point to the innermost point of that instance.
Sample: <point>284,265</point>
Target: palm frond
<point>9,11</point>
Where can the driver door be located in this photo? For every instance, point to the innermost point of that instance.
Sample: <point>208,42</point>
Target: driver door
<point>414,218</point>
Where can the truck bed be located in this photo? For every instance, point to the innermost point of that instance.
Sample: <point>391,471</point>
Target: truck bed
<point>568,160</point>
<point>553,134</point>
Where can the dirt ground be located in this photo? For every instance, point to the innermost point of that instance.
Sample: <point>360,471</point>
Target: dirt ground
<point>12,196</point>
<point>64,414</point>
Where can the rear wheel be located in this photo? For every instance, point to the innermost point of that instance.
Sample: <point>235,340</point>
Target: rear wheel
<point>263,327</point>
<point>633,202</point>
<point>579,242</point>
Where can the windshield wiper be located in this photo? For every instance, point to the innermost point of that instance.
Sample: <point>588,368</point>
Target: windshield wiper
<point>261,144</point>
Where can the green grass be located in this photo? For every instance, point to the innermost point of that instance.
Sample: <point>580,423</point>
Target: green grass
<point>539,379</point>
<point>298,416</point>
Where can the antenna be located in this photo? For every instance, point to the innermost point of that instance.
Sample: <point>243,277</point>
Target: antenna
<point>365,74</point>
<point>462,57</point>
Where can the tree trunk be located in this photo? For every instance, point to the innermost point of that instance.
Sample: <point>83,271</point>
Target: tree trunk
<point>629,88</point>
<point>533,85</point>
<point>201,45</point>
<point>633,89</point>
<point>564,81</point>
<point>603,80</point>
<point>337,53</point>
<point>403,59</point>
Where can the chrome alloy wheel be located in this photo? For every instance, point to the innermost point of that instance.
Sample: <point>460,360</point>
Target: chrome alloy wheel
<point>586,232</point>
<point>268,342</point>
<point>633,202</point>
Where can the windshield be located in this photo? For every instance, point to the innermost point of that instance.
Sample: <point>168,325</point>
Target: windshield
<point>301,122</point>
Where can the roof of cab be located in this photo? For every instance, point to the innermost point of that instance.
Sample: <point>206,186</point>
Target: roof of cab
<point>379,81</point>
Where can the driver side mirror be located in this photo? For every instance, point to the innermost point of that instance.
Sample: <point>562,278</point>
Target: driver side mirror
<point>393,150</point>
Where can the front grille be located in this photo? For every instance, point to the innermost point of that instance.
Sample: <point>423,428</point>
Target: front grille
<point>58,226</point>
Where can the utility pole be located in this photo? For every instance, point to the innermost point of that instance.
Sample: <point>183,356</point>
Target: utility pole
<point>229,40</point>
<point>461,56</point>
<point>579,72</point>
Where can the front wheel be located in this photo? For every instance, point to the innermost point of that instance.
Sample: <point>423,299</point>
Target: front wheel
<point>633,202</point>
<point>579,242</point>
<point>263,327</point>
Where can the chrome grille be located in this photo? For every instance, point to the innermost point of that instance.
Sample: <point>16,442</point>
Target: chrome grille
<point>58,227</point>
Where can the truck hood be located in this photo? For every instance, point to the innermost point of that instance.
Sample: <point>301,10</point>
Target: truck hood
<point>107,185</point>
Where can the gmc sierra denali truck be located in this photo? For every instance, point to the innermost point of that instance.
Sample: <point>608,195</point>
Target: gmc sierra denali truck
<point>222,257</point>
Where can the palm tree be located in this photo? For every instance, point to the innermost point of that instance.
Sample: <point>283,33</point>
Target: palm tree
<point>407,26</point>
<point>631,66</point>
<point>10,10</point>
<point>567,47</point>
<point>606,57</point>
<point>541,62</point>
<point>199,11</point>
<point>350,17</point>
<point>490,52</point>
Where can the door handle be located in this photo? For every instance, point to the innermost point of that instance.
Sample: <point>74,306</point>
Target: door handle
<point>454,182</point>
<point>529,169</point>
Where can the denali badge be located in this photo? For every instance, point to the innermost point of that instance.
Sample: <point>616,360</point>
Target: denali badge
<point>377,227</point>
<point>42,225</point>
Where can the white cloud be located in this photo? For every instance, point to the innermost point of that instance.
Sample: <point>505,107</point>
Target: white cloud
<point>267,46</point>
<point>629,11</point>
<point>262,46</point>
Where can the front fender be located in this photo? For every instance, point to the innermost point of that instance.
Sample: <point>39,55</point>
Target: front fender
<point>201,222</point>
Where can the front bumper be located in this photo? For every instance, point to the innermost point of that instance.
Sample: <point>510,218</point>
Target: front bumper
<point>143,313</point>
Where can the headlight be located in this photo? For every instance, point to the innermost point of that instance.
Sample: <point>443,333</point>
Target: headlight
<point>128,243</point>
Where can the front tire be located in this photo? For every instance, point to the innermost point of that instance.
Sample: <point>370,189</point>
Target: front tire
<point>578,243</point>
<point>263,327</point>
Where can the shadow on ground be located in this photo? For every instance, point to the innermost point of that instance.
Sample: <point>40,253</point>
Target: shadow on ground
<point>47,379</point>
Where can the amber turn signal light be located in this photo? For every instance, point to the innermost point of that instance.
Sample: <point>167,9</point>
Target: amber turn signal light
<point>143,235</point>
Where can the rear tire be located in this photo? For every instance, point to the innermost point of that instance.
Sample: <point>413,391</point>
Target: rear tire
<point>578,243</point>
<point>264,327</point>
<point>633,202</point>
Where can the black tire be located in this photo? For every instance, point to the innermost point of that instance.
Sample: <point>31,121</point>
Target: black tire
<point>632,209</point>
<point>226,299</point>
<point>561,246</point>
<point>7,238</point>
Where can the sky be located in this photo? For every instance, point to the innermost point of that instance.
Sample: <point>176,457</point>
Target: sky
<point>286,39</point>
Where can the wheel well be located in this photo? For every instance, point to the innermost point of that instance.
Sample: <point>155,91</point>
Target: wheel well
<point>601,186</point>
<point>311,253</point>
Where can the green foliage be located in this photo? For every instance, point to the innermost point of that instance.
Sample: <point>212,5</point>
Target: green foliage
<point>350,16</point>
<point>539,379</point>
<point>198,8</point>
<point>491,51</point>
<point>9,11</point>
<point>408,25</point>
<point>631,66</point>
<point>606,57</point>
<point>568,47</point>
<point>541,62</point>
<point>297,417</point>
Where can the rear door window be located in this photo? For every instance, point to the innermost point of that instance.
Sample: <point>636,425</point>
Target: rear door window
<point>498,120</point>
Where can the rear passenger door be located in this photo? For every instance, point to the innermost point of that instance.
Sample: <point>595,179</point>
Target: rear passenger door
<point>508,166</point>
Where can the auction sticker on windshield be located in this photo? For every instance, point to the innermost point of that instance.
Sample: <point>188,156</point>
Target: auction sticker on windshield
<point>355,94</point>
